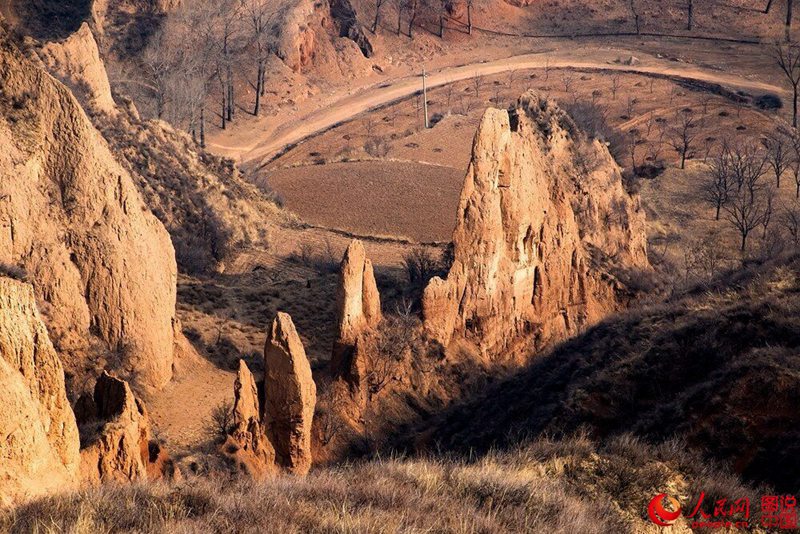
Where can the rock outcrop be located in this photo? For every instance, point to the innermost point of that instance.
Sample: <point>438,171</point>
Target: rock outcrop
<point>102,266</point>
<point>543,221</point>
<point>247,444</point>
<point>38,435</point>
<point>346,20</point>
<point>325,35</point>
<point>120,448</point>
<point>358,313</point>
<point>272,430</point>
<point>290,396</point>
<point>76,62</point>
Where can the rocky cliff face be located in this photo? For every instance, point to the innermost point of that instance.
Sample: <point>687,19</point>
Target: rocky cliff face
<point>273,431</point>
<point>76,62</point>
<point>324,34</point>
<point>38,434</point>
<point>543,219</point>
<point>103,268</point>
<point>120,449</point>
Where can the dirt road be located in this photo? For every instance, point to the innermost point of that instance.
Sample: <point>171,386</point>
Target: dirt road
<point>271,143</point>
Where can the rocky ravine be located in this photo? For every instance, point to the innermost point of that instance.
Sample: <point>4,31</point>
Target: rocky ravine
<point>544,224</point>
<point>102,266</point>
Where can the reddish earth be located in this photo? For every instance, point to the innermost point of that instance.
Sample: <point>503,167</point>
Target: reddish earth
<point>408,200</point>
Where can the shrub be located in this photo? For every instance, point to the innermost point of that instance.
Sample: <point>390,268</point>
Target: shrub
<point>592,121</point>
<point>221,419</point>
<point>420,266</point>
<point>13,271</point>
<point>768,101</point>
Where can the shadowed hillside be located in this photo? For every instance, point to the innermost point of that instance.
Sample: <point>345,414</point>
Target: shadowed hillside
<point>718,366</point>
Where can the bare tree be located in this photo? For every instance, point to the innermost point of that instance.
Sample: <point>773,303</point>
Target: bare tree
<point>778,154</point>
<point>449,89</point>
<point>787,57</point>
<point>469,17</point>
<point>795,164</point>
<point>401,5</point>
<point>745,212</point>
<point>750,205</point>
<point>412,15</point>
<point>614,85</point>
<point>376,20</point>
<point>631,106</point>
<point>748,165</point>
<point>635,17</point>
<point>689,14</point>
<point>769,206</point>
<point>790,221</point>
<point>634,143</point>
<point>568,79</point>
<point>477,81</point>
<point>259,14</point>
<point>720,184</point>
<point>682,134</point>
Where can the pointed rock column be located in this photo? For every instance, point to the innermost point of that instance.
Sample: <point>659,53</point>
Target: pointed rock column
<point>290,396</point>
<point>358,305</point>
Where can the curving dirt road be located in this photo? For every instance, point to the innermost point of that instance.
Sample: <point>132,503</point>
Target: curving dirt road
<point>262,150</point>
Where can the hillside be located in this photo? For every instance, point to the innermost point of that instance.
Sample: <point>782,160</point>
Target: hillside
<point>717,366</point>
<point>558,487</point>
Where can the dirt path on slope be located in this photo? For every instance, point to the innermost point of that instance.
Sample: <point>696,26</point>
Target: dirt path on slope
<point>290,132</point>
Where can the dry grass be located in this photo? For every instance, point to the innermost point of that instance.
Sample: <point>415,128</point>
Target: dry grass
<point>547,486</point>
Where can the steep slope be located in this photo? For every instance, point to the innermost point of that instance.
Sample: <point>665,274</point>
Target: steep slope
<point>542,222</point>
<point>718,367</point>
<point>76,62</point>
<point>102,266</point>
<point>39,446</point>
<point>209,209</point>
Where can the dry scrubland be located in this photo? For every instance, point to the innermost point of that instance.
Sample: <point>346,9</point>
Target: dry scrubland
<point>372,155</point>
<point>565,486</point>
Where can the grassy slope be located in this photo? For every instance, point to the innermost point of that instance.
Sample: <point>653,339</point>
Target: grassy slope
<point>555,487</point>
<point>718,367</point>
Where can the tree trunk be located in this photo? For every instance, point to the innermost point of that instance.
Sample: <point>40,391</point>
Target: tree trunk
<point>202,127</point>
<point>469,18</point>
<point>789,6</point>
<point>399,18</point>
<point>224,106</point>
<point>441,26</point>
<point>769,5</point>
<point>794,106</point>
<point>744,241</point>
<point>683,159</point>
<point>691,15</point>
<point>230,94</point>
<point>719,206</point>
<point>377,16</point>
<point>259,77</point>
